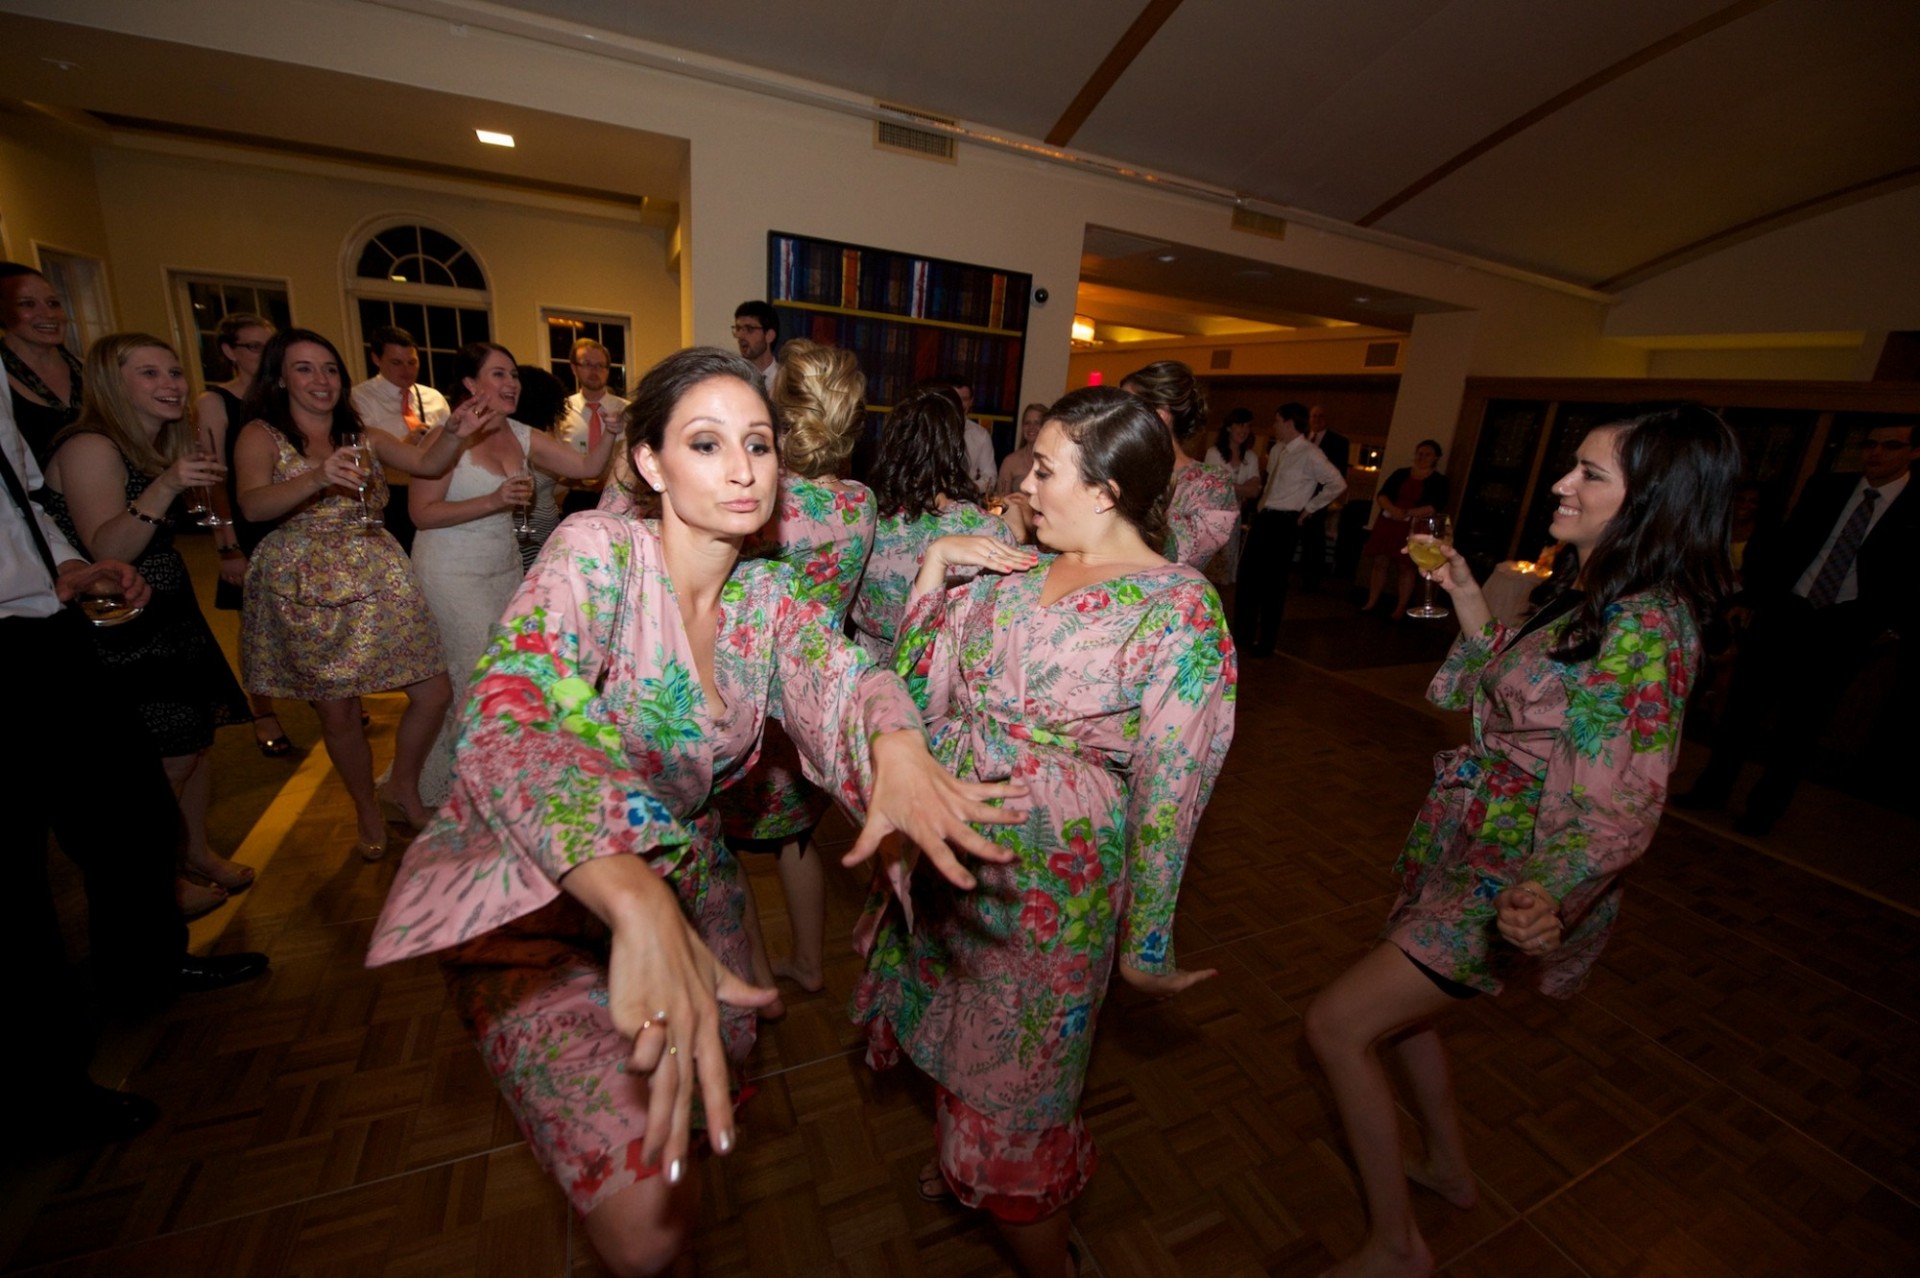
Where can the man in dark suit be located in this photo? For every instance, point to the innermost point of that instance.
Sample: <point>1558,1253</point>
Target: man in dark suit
<point>1834,585</point>
<point>1313,533</point>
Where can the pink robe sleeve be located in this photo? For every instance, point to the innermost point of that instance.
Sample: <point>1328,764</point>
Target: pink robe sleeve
<point>1186,725</point>
<point>833,702</point>
<point>544,781</point>
<point>1202,514</point>
<point>1454,683</point>
<point>1606,778</point>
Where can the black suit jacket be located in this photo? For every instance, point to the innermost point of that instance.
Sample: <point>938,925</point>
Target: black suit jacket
<point>1889,576</point>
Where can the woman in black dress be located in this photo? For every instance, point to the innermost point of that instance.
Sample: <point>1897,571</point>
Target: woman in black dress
<point>43,377</point>
<point>114,483</point>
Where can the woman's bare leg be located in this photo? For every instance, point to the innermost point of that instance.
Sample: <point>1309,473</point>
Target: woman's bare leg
<point>1040,1248</point>
<point>1444,1168</point>
<point>427,703</point>
<point>642,1230</point>
<point>1407,579</point>
<point>1377,996</point>
<point>757,949</point>
<point>191,776</point>
<point>804,880</point>
<point>1376,583</point>
<point>352,757</point>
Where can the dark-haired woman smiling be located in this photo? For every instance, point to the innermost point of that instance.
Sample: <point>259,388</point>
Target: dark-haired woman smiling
<point>1512,869</point>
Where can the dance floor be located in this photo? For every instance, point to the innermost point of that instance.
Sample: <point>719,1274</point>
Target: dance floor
<point>1733,1095</point>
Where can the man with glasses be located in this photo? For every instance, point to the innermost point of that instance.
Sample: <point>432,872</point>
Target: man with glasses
<point>756,329</point>
<point>1823,596</point>
<point>592,411</point>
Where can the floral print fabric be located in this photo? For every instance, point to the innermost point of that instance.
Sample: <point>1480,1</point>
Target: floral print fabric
<point>823,532</point>
<point>1562,783</point>
<point>898,544</point>
<point>1202,513</point>
<point>587,734</point>
<point>1115,705</point>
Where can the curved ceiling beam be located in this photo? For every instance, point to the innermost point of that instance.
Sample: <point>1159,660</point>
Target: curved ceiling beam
<point>1849,194</point>
<point>1108,73</point>
<point>1599,80</point>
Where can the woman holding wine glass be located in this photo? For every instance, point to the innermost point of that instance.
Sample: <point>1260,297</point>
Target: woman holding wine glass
<point>114,483</point>
<point>467,548</point>
<point>333,611</point>
<point>1512,870</point>
<point>1410,492</point>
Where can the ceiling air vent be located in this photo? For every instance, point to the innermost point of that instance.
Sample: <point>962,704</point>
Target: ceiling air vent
<point>1255,223</point>
<point>890,135</point>
<point>1382,354</point>
<point>1221,359</point>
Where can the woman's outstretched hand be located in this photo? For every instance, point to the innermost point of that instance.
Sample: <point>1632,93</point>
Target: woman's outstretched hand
<point>664,990</point>
<point>1528,918</point>
<point>473,417</point>
<point>915,797</point>
<point>1157,986</point>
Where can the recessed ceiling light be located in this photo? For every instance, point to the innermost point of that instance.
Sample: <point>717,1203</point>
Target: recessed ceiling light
<point>1167,257</point>
<point>1363,300</point>
<point>493,139</point>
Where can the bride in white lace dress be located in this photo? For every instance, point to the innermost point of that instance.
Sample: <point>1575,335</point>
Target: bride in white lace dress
<point>465,552</point>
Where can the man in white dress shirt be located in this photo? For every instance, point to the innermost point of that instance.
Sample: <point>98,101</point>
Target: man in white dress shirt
<point>1300,483</point>
<point>592,411</point>
<point>979,440</point>
<point>394,401</point>
<point>756,329</point>
<point>85,769</point>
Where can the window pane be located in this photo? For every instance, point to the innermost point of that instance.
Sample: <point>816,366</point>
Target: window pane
<point>443,330</point>
<point>475,325</point>
<point>442,367</point>
<point>437,245</point>
<point>375,261</point>
<point>466,271</point>
<point>434,273</point>
<point>374,315</point>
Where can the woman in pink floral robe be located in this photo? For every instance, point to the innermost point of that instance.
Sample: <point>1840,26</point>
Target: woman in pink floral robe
<point>576,880</point>
<point>1203,511</point>
<point>1104,679</point>
<point>1512,868</point>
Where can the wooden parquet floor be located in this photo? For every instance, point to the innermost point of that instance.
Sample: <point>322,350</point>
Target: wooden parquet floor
<point>1735,1094</point>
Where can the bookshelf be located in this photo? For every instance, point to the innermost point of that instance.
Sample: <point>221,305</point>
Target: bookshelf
<point>907,317</point>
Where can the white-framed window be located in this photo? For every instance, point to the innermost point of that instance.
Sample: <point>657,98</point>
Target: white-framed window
<point>423,280</point>
<point>565,326</point>
<point>201,301</point>
<point>81,282</point>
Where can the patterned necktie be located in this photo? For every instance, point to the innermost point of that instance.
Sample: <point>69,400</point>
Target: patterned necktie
<point>593,426</point>
<point>407,414</point>
<point>1845,548</point>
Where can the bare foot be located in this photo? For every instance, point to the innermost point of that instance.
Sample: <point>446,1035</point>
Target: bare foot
<point>213,868</point>
<point>774,1011</point>
<point>1377,1261</point>
<point>196,899</point>
<point>1459,1188</point>
<point>812,982</point>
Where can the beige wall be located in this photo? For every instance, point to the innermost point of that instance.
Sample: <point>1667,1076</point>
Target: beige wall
<point>1808,364</point>
<point>201,212</point>
<point>47,191</point>
<point>1318,355</point>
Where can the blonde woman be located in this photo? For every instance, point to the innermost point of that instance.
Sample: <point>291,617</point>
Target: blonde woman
<point>114,480</point>
<point>823,530</point>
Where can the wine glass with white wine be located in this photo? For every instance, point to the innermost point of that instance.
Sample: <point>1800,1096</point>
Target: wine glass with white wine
<point>1427,540</point>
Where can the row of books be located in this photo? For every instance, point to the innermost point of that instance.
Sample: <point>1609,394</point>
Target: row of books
<point>828,273</point>
<point>896,355</point>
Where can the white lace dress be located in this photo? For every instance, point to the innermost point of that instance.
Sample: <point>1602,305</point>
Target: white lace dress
<point>468,572</point>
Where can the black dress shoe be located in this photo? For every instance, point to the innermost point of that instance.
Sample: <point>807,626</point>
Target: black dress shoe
<point>217,971</point>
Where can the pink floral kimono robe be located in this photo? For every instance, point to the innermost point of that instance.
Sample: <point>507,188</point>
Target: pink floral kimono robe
<point>823,532</point>
<point>1115,705</point>
<point>587,735</point>
<point>898,544</point>
<point>1562,783</point>
<point>1202,513</point>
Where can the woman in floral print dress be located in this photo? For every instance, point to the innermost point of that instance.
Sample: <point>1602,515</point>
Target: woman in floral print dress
<point>576,877</point>
<point>822,529</point>
<point>1512,869</point>
<point>923,490</point>
<point>1203,510</point>
<point>1103,677</point>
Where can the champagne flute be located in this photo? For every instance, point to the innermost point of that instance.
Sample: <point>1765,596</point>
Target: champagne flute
<point>523,510</point>
<point>1427,540</point>
<point>356,443</point>
<point>200,496</point>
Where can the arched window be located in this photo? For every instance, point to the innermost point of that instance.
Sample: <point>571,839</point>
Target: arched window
<point>430,284</point>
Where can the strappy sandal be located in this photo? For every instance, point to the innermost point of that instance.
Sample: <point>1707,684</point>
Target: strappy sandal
<point>272,747</point>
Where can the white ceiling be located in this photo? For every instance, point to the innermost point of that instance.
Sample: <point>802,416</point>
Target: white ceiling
<point>1593,141</point>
